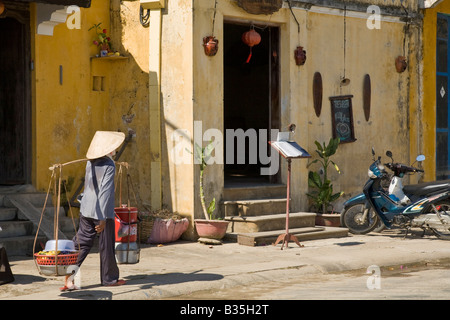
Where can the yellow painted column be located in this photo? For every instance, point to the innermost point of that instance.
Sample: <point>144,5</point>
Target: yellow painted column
<point>155,107</point>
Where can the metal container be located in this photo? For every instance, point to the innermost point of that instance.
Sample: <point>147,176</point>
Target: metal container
<point>127,252</point>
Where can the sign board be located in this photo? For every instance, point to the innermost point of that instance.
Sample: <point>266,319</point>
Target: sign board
<point>342,118</point>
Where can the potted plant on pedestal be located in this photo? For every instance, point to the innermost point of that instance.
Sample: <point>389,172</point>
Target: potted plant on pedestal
<point>210,229</point>
<point>322,195</point>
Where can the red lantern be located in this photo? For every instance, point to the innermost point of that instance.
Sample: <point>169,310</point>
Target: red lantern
<point>251,38</point>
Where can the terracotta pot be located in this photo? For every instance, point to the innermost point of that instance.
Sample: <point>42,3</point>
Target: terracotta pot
<point>167,230</point>
<point>400,64</point>
<point>211,45</point>
<point>211,229</point>
<point>300,56</point>
<point>328,219</point>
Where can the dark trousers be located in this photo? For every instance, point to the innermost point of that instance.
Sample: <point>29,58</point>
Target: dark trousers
<point>109,272</point>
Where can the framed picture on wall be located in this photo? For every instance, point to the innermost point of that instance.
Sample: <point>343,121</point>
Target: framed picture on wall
<point>342,118</point>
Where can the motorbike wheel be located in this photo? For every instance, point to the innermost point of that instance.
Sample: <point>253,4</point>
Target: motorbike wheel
<point>352,218</point>
<point>444,210</point>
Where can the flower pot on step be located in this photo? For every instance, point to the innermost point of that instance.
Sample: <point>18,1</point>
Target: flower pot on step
<point>328,219</point>
<point>211,229</point>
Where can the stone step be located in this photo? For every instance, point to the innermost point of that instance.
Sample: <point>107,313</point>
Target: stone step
<point>302,234</point>
<point>255,207</point>
<point>20,246</point>
<point>255,191</point>
<point>35,198</point>
<point>7,214</point>
<point>240,224</point>
<point>16,228</point>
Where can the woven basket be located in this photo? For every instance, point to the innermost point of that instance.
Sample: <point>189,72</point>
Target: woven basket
<point>147,219</point>
<point>146,226</point>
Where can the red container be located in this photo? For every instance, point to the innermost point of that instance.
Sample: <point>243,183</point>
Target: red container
<point>126,224</point>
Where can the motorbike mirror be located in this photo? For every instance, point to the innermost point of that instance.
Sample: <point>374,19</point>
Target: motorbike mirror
<point>389,154</point>
<point>420,157</point>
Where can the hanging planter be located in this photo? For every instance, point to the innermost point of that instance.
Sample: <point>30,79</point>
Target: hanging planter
<point>251,38</point>
<point>400,64</point>
<point>211,45</point>
<point>299,56</point>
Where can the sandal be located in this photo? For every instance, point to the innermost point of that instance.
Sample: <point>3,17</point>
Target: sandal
<point>66,288</point>
<point>117,283</point>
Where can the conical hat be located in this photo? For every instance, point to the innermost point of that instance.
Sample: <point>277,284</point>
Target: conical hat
<point>103,143</point>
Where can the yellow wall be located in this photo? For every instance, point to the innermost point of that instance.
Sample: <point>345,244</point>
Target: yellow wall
<point>66,116</point>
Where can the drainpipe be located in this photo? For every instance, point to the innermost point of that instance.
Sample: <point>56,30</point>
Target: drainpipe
<point>155,27</point>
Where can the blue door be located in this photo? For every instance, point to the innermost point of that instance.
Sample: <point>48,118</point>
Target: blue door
<point>442,98</point>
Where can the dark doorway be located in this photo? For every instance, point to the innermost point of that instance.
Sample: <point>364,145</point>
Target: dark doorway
<point>251,98</point>
<point>14,101</point>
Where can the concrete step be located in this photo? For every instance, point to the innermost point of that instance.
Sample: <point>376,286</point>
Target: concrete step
<point>16,228</point>
<point>302,234</point>
<point>8,214</point>
<point>251,224</point>
<point>37,199</point>
<point>254,191</point>
<point>20,246</point>
<point>254,207</point>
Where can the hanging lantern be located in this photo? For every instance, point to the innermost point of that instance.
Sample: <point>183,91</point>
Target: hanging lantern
<point>251,38</point>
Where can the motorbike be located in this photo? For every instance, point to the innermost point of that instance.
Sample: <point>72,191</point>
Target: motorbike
<point>386,203</point>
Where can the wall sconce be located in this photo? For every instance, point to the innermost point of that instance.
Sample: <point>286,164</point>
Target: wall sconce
<point>344,81</point>
<point>299,56</point>
<point>2,7</point>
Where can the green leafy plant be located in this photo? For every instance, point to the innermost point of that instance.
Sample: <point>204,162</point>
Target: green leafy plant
<point>322,194</point>
<point>202,156</point>
<point>102,39</point>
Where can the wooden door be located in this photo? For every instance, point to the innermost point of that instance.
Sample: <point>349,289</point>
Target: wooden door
<point>14,101</point>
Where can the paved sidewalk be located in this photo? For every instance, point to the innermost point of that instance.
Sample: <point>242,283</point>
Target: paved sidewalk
<point>181,268</point>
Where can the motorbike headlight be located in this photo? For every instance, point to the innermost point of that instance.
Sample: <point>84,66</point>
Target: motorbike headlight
<point>371,174</point>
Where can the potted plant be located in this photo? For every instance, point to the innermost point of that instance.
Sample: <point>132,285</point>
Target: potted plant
<point>210,227</point>
<point>322,195</point>
<point>102,40</point>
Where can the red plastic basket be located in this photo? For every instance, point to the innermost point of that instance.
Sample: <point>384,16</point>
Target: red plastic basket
<point>63,259</point>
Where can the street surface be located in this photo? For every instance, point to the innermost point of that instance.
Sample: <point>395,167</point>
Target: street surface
<point>413,282</point>
<point>324,269</point>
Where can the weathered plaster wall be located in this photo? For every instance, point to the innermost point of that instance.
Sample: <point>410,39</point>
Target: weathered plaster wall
<point>177,107</point>
<point>66,115</point>
<point>368,51</point>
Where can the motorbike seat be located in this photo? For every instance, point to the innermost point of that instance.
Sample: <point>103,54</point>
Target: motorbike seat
<point>427,187</point>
